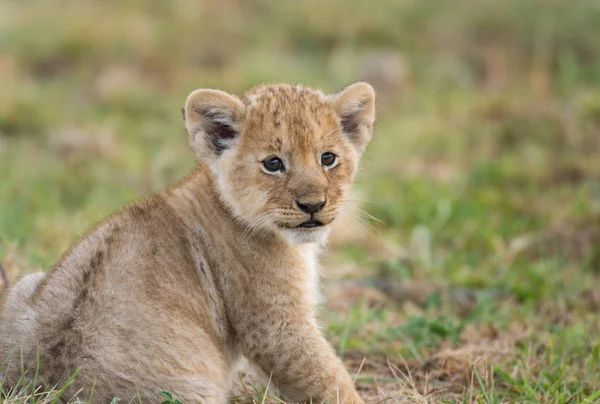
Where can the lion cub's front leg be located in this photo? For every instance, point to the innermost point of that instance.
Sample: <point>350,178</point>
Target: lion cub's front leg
<point>280,336</point>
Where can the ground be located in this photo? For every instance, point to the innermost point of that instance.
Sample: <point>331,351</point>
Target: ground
<point>473,273</point>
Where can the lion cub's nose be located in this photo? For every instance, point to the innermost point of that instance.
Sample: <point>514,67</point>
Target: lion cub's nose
<point>310,207</point>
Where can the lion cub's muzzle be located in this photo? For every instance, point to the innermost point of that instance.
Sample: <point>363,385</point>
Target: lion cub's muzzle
<point>312,207</point>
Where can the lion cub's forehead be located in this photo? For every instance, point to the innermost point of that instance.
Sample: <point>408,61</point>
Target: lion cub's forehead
<point>293,109</point>
<point>283,95</point>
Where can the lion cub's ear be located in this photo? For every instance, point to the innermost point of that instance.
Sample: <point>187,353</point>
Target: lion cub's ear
<point>356,107</point>
<point>212,119</point>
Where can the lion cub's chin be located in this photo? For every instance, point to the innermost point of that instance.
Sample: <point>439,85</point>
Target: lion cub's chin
<point>311,235</point>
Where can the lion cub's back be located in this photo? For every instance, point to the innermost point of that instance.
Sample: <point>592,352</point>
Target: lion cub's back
<point>110,306</point>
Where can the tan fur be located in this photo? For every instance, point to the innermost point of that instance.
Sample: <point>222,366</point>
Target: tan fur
<point>169,293</point>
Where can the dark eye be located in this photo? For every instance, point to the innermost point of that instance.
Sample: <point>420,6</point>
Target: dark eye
<point>273,164</point>
<point>328,159</point>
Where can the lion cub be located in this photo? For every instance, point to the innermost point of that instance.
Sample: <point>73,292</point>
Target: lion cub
<point>170,292</point>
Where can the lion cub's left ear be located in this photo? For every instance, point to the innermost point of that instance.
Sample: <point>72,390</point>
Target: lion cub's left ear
<point>356,107</point>
<point>213,119</point>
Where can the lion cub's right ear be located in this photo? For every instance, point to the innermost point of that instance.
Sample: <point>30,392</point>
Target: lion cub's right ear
<point>213,120</point>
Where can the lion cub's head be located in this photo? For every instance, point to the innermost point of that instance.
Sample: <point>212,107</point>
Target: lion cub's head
<point>283,156</point>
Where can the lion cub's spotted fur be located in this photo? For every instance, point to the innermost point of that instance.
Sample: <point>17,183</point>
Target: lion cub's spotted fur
<point>169,293</point>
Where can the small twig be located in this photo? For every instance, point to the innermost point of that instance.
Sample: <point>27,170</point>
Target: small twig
<point>359,368</point>
<point>267,389</point>
<point>3,275</point>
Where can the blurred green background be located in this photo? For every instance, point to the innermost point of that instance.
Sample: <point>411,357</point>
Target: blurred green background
<point>482,277</point>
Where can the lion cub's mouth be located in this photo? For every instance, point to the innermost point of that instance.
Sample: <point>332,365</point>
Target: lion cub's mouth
<point>310,224</point>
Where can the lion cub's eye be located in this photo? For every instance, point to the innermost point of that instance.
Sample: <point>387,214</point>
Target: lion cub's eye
<point>328,159</point>
<point>273,164</point>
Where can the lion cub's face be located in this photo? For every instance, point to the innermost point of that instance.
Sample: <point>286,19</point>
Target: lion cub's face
<point>284,156</point>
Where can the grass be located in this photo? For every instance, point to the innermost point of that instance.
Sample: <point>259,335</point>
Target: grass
<point>480,284</point>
